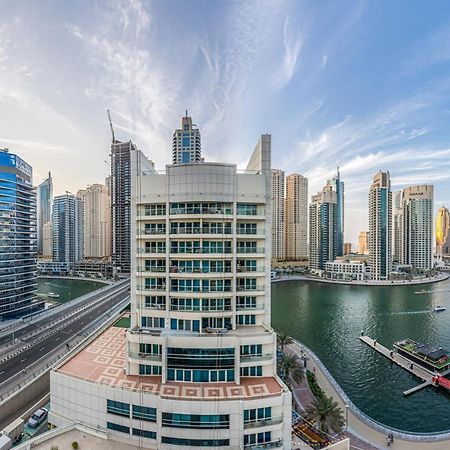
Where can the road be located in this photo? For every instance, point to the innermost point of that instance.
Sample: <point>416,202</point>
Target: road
<point>25,330</point>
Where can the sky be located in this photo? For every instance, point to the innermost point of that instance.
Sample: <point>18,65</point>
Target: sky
<point>363,85</point>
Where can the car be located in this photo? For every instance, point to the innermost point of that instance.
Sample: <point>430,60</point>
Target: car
<point>37,418</point>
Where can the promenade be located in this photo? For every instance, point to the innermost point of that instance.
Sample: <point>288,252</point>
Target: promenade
<point>371,434</point>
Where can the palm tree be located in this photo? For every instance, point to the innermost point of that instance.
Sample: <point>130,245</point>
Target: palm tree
<point>326,414</point>
<point>290,369</point>
<point>283,340</point>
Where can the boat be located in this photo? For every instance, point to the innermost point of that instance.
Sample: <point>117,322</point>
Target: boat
<point>438,309</point>
<point>423,291</point>
<point>53,295</point>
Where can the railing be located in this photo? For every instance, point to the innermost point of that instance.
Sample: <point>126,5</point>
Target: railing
<point>152,288</point>
<point>250,232</point>
<point>154,231</point>
<point>223,211</point>
<point>145,356</point>
<point>200,289</point>
<point>152,269</point>
<point>249,288</point>
<point>398,434</point>
<point>147,251</point>
<point>200,230</point>
<point>263,422</point>
<point>199,250</point>
<point>258,357</point>
<point>198,270</point>
<point>250,250</point>
<point>266,445</point>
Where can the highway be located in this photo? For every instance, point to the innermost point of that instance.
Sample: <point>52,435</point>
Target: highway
<point>23,331</point>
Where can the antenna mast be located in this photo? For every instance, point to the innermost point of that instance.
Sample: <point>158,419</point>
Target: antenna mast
<point>111,126</point>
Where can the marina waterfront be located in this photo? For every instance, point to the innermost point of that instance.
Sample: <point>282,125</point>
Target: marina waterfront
<point>67,289</point>
<point>329,320</point>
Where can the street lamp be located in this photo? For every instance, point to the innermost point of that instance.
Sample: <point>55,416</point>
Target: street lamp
<point>346,416</point>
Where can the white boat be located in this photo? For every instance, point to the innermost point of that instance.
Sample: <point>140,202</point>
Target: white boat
<point>53,295</point>
<point>438,309</point>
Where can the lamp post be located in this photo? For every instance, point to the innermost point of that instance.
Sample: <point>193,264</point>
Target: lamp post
<point>346,416</point>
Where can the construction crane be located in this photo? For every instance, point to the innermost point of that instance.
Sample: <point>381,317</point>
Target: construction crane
<point>111,126</point>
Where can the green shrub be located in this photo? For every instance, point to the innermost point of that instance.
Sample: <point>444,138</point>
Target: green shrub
<point>74,444</point>
<point>314,386</point>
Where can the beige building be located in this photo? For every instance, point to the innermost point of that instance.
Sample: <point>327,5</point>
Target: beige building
<point>97,221</point>
<point>47,240</point>
<point>397,227</point>
<point>278,212</point>
<point>363,243</point>
<point>347,248</point>
<point>296,214</point>
<point>442,229</point>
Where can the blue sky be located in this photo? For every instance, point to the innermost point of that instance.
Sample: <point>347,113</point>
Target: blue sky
<point>360,84</point>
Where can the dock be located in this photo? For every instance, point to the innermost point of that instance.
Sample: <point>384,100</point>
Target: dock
<point>420,372</point>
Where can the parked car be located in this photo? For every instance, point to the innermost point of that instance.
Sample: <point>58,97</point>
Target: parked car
<point>37,418</point>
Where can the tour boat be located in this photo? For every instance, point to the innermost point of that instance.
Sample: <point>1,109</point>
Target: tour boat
<point>53,295</point>
<point>438,308</point>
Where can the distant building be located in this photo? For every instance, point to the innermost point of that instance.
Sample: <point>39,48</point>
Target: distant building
<point>398,231</point>
<point>296,217</point>
<point>322,228</point>
<point>122,156</point>
<point>345,270</point>
<point>97,221</point>
<point>338,186</point>
<point>47,241</point>
<point>278,215</point>
<point>363,243</point>
<point>186,143</point>
<point>44,199</point>
<point>418,226</point>
<point>442,225</point>
<point>347,248</point>
<point>380,226</point>
<point>18,246</point>
<point>67,227</point>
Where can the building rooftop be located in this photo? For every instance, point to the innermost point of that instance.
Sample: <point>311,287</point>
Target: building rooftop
<point>103,361</point>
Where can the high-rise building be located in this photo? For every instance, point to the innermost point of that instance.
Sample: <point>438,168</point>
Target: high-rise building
<point>338,186</point>
<point>398,231</point>
<point>200,353</point>
<point>18,244</point>
<point>278,234</point>
<point>97,221</point>
<point>186,143</point>
<point>47,241</point>
<point>380,227</point>
<point>418,226</point>
<point>67,228</point>
<point>122,155</point>
<point>347,248</point>
<point>323,230</point>
<point>442,231</point>
<point>44,195</point>
<point>296,217</point>
<point>363,241</point>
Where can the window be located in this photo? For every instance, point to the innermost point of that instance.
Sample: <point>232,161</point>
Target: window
<point>152,322</point>
<point>155,228</point>
<point>196,442</point>
<point>117,427</point>
<point>246,228</point>
<point>253,415</point>
<point>200,376</point>
<point>150,349</point>
<point>144,413</point>
<point>246,265</point>
<point>118,408</point>
<point>246,284</point>
<point>207,422</point>
<point>245,209</point>
<point>185,324</point>
<point>155,284</point>
<point>258,438</point>
<point>252,371</point>
<point>245,302</point>
<point>246,319</point>
<point>144,433</point>
<point>247,247</point>
<point>155,210</point>
<point>216,322</point>
<point>144,369</point>
<point>155,302</point>
<point>155,265</point>
<point>253,350</point>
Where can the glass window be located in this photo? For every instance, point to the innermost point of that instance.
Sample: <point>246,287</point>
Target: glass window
<point>117,427</point>
<point>144,413</point>
<point>118,408</point>
<point>144,433</point>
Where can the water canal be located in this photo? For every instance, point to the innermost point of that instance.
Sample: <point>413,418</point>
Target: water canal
<point>66,289</point>
<point>329,318</point>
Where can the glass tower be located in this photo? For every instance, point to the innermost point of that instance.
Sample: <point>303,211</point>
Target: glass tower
<point>338,187</point>
<point>44,193</point>
<point>18,252</point>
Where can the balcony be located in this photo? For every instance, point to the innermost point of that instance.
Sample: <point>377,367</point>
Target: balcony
<point>145,356</point>
<point>266,445</point>
<point>198,251</point>
<point>247,250</point>
<point>152,269</point>
<point>263,423</point>
<point>256,357</point>
<point>201,230</point>
<point>201,210</point>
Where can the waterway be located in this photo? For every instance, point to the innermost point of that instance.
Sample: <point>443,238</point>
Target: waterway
<point>66,289</point>
<point>329,319</point>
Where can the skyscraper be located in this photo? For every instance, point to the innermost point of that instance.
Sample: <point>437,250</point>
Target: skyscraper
<point>323,229</point>
<point>418,226</point>
<point>122,155</point>
<point>338,186</point>
<point>200,355</point>
<point>398,229</point>
<point>278,215</point>
<point>97,221</point>
<point>186,143</point>
<point>296,217</point>
<point>363,241</point>
<point>18,244</point>
<point>442,230</point>
<point>67,228</point>
<point>44,194</point>
<point>380,227</point>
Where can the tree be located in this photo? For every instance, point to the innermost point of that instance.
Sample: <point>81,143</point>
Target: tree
<point>290,369</point>
<point>326,414</point>
<point>283,340</point>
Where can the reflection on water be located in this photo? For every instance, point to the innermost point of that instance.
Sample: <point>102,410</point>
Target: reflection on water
<point>329,319</point>
<point>66,289</point>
